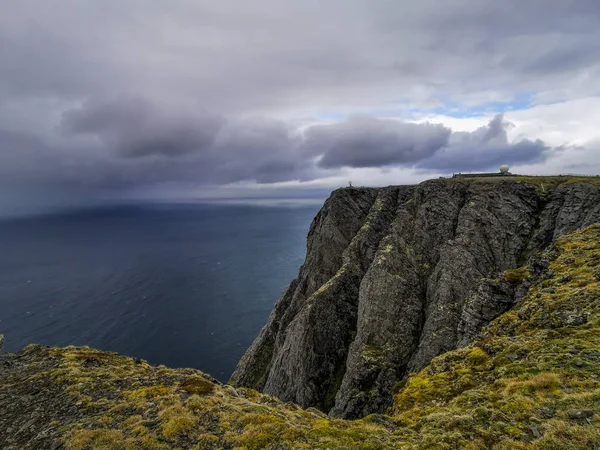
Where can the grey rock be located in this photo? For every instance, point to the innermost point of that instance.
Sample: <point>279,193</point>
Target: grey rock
<point>546,413</point>
<point>491,299</point>
<point>396,276</point>
<point>580,414</point>
<point>564,279</point>
<point>331,232</point>
<point>536,431</point>
<point>310,362</point>
<point>1,342</point>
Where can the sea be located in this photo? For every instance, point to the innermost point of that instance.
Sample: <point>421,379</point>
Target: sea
<point>184,285</point>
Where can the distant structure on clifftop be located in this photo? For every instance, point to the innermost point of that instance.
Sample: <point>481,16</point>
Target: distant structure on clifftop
<point>503,173</point>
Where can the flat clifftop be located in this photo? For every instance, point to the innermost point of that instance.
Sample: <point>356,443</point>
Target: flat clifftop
<point>529,381</point>
<point>395,276</point>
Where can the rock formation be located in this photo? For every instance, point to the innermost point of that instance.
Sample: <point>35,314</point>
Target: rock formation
<point>396,276</point>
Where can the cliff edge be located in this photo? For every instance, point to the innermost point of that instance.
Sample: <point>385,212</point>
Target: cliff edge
<point>395,276</point>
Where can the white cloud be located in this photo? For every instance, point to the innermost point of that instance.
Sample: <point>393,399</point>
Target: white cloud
<point>574,122</point>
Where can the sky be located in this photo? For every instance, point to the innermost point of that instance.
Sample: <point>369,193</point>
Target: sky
<point>195,99</point>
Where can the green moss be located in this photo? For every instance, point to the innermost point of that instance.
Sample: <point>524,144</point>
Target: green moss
<point>332,385</point>
<point>106,439</point>
<point>477,356</point>
<point>197,385</point>
<point>330,282</point>
<point>149,391</point>
<point>177,420</point>
<point>516,275</point>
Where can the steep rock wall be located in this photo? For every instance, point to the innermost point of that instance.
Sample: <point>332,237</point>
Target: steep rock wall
<point>396,276</point>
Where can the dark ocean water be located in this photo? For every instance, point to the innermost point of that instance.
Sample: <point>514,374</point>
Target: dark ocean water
<point>180,285</point>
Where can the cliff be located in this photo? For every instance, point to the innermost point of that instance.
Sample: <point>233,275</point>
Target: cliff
<point>529,381</point>
<point>396,276</point>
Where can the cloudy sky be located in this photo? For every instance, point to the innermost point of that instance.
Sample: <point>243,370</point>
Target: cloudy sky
<point>188,99</point>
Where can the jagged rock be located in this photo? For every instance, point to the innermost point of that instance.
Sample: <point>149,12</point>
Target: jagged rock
<point>336,224</point>
<point>396,276</point>
<point>312,350</point>
<point>1,342</point>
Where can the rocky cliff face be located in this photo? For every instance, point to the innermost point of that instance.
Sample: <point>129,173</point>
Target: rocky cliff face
<point>396,276</point>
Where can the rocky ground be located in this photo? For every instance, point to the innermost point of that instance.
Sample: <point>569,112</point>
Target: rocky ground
<point>530,380</point>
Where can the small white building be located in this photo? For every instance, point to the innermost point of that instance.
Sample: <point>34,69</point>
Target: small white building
<point>504,171</point>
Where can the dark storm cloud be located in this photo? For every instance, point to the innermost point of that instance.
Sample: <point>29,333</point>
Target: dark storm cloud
<point>371,142</point>
<point>134,127</point>
<point>168,146</point>
<point>211,150</point>
<point>131,142</point>
<point>263,150</point>
<point>485,148</point>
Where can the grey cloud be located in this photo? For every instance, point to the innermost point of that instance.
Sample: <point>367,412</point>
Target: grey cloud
<point>135,127</point>
<point>496,129</point>
<point>485,148</point>
<point>242,57</point>
<point>134,144</point>
<point>145,143</point>
<point>371,142</point>
<point>262,150</point>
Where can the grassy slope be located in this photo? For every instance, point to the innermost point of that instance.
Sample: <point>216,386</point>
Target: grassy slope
<point>531,382</point>
<point>122,403</point>
<point>543,184</point>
